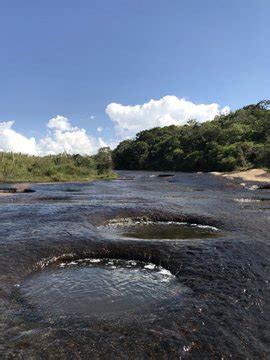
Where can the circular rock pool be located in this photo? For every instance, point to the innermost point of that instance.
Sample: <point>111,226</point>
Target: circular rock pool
<point>160,230</point>
<point>98,287</point>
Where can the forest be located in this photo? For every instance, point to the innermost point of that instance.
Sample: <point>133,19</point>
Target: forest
<point>239,140</point>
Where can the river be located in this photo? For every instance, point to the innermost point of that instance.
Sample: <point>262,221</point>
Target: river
<point>90,270</point>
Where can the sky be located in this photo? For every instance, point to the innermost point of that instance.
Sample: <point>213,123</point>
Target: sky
<point>78,75</point>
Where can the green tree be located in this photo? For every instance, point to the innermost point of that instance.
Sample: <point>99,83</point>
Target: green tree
<point>235,141</point>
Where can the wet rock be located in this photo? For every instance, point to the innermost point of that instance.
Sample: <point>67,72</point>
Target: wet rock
<point>165,175</point>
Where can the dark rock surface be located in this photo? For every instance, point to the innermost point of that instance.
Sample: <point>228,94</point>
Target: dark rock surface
<point>225,314</point>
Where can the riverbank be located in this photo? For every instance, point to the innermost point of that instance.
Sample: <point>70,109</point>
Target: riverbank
<point>14,189</point>
<point>255,175</point>
<point>20,168</point>
<point>258,175</point>
<point>24,187</point>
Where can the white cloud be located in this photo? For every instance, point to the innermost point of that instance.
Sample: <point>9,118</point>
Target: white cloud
<point>128,120</point>
<point>75,141</point>
<point>11,140</point>
<point>102,143</point>
<point>65,138</point>
<point>92,117</point>
<point>225,111</point>
<point>170,110</point>
<point>62,137</point>
<point>59,123</point>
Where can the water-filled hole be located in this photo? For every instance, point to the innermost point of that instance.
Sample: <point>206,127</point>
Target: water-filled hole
<point>73,190</point>
<point>264,187</point>
<point>165,175</point>
<point>99,287</point>
<point>165,230</point>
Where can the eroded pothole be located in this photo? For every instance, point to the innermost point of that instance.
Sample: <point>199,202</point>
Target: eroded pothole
<point>97,287</point>
<point>160,230</point>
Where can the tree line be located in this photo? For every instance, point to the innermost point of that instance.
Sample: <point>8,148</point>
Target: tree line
<point>239,140</point>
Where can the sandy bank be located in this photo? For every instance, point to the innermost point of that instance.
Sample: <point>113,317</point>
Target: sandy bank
<point>20,188</point>
<point>5,193</point>
<point>258,175</point>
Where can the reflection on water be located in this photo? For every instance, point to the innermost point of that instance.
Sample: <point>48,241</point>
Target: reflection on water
<point>161,230</point>
<point>98,286</point>
<point>224,313</point>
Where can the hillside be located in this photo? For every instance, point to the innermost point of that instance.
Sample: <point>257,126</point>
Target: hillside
<point>240,140</point>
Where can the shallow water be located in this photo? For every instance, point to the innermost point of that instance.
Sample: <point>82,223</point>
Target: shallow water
<point>169,230</point>
<point>215,304</point>
<point>98,287</point>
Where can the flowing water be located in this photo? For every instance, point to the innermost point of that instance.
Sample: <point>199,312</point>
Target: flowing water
<point>98,287</point>
<point>164,230</point>
<point>145,266</point>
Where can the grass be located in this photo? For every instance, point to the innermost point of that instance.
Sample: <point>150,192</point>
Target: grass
<point>54,168</point>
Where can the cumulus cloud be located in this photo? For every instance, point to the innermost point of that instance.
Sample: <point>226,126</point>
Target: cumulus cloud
<point>11,140</point>
<point>102,143</point>
<point>65,138</point>
<point>128,120</point>
<point>61,137</point>
<point>59,123</point>
<point>169,110</point>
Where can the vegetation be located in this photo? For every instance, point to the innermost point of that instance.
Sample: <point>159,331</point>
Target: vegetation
<point>239,140</point>
<point>64,167</point>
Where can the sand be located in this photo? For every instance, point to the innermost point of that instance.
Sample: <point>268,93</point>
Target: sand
<point>20,189</point>
<point>258,175</point>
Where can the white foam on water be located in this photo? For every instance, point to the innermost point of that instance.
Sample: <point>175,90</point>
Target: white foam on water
<point>246,200</point>
<point>95,260</point>
<point>150,266</point>
<point>165,272</point>
<point>72,263</point>
<point>253,187</point>
<point>132,262</point>
<point>47,261</point>
<point>126,222</point>
<point>98,286</point>
<point>205,227</point>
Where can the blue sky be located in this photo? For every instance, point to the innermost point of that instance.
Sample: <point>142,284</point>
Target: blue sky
<point>74,58</point>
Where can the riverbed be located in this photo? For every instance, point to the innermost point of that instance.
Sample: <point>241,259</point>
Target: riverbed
<point>145,266</point>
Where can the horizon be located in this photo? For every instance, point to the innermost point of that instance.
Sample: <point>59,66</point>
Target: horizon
<point>76,77</point>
